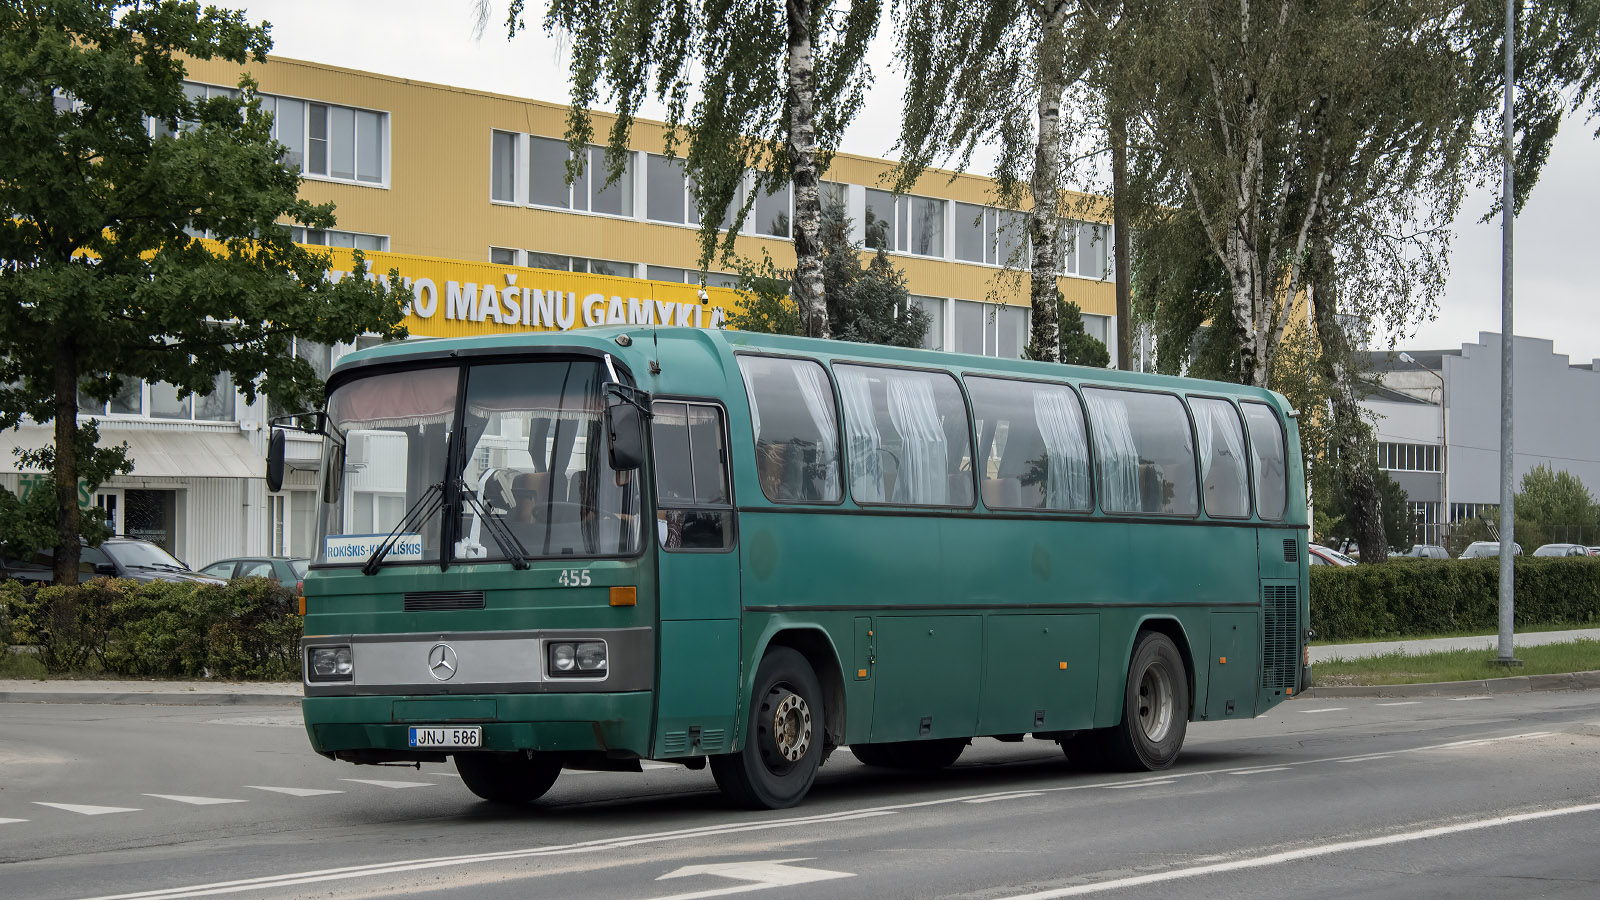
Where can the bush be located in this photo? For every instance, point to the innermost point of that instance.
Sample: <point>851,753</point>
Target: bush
<point>245,629</point>
<point>1432,596</point>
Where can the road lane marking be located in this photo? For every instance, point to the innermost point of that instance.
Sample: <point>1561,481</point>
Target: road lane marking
<point>395,785</point>
<point>194,801</point>
<point>1139,784</point>
<point>1288,856</point>
<point>293,792</point>
<point>761,874</point>
<point>1356,759</point>
<point>1464,699</point>
<point>84,810</point>
<point>11,821</point>
<point>1402,703</point>
<point>1325,709</point>
<point>1255,771</point>
<point>294,879</point>
<point>1017,796</point>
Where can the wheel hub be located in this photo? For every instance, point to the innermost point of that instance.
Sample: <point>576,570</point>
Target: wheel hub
<point>791,726</point>
<point>1155,703</point>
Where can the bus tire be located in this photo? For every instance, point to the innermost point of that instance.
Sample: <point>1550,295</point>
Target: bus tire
<point>507,777</point>
<point>918,756</point>
<point>783,737</point>
<point>1155,708</point>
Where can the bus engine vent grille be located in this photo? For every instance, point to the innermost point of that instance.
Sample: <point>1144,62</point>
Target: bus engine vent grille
<point>1280,646</point>
<point>1291,551</point>
<point>423,601</point>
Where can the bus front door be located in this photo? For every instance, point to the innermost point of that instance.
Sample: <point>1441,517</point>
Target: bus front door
<point>696,534</point>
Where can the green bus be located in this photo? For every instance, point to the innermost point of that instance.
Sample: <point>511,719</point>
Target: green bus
<point>587,549</point>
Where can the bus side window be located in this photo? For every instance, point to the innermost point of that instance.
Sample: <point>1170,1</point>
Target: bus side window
<point>1267,457</point>
<point>908,437</point>
<point>796,429</point>
<point>1144,452</point>
<point>1033,452</point>
<point>1222,469</point>
<point>693,502</point>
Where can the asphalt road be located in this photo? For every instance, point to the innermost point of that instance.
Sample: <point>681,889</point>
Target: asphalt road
<point>1464,798</point>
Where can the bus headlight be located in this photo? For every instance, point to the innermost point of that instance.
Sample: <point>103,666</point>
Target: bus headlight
<point>580,659</point>
<point>330,664</point>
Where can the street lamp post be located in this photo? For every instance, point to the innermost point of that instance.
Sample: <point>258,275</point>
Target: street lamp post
<point>1444,451</point>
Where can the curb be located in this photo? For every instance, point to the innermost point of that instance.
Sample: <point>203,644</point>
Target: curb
<point>184,698</point>
<point>1517,684</point>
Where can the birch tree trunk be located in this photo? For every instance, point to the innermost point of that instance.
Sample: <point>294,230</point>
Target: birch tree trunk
<point>1121,247</point>
<point>806,285</point>
<point>1044,225</point>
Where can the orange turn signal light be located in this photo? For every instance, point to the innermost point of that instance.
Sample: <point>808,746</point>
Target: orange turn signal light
<point>625,596</point>
<point>302,604</point>
<point>1223,660</point>
<point>861,673</point>
<point>1063,665</point>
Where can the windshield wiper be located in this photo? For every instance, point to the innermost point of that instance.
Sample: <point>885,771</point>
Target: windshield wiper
<point>421,511</point>
<point>497,528</point>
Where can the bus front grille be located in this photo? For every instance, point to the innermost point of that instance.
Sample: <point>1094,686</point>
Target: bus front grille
<point>1280,645</point>
<point>424,601</point>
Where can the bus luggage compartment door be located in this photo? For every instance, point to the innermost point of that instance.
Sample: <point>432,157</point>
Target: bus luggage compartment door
<point>928,675</point>
<point>1235,666</point>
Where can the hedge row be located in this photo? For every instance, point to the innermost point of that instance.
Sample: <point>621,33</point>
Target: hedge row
<point>246,629</point>
<point>1405,597</point>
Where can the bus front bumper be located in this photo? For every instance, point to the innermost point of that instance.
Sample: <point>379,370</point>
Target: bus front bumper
<point>376,728</point>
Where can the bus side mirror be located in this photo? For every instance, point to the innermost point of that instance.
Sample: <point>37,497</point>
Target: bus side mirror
<point>624,435</point>
<point>275,460</point>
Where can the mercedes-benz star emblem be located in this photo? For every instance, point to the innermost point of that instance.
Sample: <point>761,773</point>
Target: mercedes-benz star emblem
<point>442,661</point>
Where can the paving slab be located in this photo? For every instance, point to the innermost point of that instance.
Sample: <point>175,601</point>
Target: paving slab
<point>154,693</point>
<point>1330,652</point>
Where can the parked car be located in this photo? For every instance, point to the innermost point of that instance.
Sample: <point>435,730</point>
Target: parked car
<point>1480,549</point>
<point>282,569</point>
<point>1427,551</point>
<point>118,557</point>
<point>1324,556</point>
<point>1562,550</point>
<point>1594,551</point>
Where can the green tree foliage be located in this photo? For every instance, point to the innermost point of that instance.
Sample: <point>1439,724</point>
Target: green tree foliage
<point>103,281</point>
<point>759,85</point>
<point>1394,516</point>
<point>1078,348</point>
<point>867,304</point>
<point>1555,507</point>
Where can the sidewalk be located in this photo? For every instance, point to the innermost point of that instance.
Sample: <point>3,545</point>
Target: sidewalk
<point>1328,652</point>
<point>154,693</point>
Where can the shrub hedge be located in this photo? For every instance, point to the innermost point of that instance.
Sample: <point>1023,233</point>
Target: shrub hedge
<point>1407,597</point>
<point>246,629</point>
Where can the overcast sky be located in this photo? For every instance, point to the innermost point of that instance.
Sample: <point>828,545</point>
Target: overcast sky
<point>1557,235</point>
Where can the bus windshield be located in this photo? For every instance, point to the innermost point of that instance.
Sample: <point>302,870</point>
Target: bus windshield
<point>531,457</point>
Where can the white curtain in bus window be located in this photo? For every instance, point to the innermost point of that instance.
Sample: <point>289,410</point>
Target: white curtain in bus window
<point>797,440</point>
<point>1033,451</point>
<point>908,437</point>
<point>925,454</point>
<point>1222,471</point>
<point>862,438</point>
<point>1144,451</point>
<point>1267,454</point>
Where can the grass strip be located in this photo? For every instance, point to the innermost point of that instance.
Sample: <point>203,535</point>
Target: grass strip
<point>1582,655</point>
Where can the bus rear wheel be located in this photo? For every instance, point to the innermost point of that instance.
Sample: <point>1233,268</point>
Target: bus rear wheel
<point>507,777</point>
<point>1155,709</point>
<point>783,737</point>
<point>921,756</point>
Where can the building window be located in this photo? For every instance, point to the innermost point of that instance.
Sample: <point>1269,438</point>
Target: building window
<point>995,237</point>
<point>905,224</point>
<point>561,263</point>
<point>665,192</point>
<point>1084,250</point>
<point>291,523</point>
<point>503,167</point>
<point>990,329</point>
<point>1398,457</point>
<point>345,143</point>
<point>772,212</point>
<point>161,400</point>
<point>349,240</point>
<point>547,180</point>
<point>933,338</point>
<point>318,356</point>
<point>502,256</point>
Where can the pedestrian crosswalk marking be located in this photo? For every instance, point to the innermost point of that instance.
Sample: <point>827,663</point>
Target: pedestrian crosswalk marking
<point>194,801</point>
<point>85,810</point>
<point>389,784</point>
<point>293,792</point>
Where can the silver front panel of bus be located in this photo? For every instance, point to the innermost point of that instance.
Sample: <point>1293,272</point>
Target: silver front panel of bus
<point>482,662</point>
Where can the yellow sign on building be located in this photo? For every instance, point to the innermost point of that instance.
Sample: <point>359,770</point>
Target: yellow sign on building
<point>454,298</point>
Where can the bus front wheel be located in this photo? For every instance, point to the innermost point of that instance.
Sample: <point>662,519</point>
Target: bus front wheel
<point>1155,709</point>
<point>507,777</point>
<point>783,738</point>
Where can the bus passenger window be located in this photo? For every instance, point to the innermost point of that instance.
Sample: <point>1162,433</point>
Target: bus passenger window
<point>1033,452</point>
<point>1267,456</point>
<point>796,430</point>
<point>907,435</point>
<point>1143,452</point>
<point>1222,468</point>
<point>694,508</point>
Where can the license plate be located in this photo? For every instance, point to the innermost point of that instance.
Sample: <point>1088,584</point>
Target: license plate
<point>463,738</point>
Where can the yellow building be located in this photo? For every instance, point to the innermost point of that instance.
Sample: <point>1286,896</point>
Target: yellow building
<point>440,177</point>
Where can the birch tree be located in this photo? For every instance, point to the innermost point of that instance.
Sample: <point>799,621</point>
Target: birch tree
<point>756,86</point>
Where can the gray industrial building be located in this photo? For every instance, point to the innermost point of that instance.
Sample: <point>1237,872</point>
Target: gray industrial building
<point>1419,396</point>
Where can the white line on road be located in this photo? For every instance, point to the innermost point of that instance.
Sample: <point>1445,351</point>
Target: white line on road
<point>1255,771</point>
<point>84,810</point>
<point>1463,699</point>
<point>11,821</point>
<point>1402,703</point>
<point>293,792</point>
<point>194,801</point>
<point>1356,759</point>
<point>1305,853</point>
<point>1140,784</point>
<point>1325,709</point>
<point>1016,796</point>
<point>294,879</point>
<point>396,785</point>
